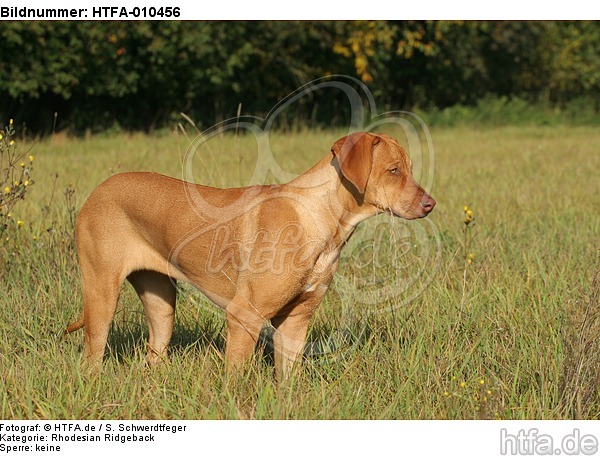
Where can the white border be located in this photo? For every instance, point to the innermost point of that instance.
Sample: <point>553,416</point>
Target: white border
<point>346,10</point>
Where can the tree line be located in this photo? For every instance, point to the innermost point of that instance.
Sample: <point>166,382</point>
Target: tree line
<point>141,75</point>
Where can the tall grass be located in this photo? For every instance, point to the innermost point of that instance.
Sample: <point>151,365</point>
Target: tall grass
<point>512,335</point>
<point>506,111</point>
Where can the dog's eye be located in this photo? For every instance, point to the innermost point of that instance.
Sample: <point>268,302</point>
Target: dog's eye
<point>394,171</point>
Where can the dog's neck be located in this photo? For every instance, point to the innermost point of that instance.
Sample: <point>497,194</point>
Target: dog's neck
<point>334,197</point>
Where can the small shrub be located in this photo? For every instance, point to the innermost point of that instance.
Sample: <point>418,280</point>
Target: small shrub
<point>15,181</point>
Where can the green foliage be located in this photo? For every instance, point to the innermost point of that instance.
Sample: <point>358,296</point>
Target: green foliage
<point>141,75</point>
<point>496,111</point>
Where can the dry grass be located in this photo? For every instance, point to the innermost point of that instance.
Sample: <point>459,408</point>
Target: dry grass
<point>513,335</point>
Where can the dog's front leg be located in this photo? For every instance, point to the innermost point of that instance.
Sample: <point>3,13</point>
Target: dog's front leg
<point>288,339</point>
<point>290,333</point>
<point>243,328</point>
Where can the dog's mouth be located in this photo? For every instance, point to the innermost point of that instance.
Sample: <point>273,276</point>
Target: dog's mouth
<point>412,213</point>
<point>419,207</point>
<point>409,214</point>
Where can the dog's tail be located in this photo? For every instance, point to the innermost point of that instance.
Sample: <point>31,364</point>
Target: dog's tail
<point>75,326</point>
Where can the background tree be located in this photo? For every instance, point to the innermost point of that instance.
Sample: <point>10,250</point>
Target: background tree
<point>141,75</point>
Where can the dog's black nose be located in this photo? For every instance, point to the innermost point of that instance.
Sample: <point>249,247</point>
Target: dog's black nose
<point>427,203</point>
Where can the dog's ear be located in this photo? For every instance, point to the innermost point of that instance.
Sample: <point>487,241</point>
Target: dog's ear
<point>354,153</point>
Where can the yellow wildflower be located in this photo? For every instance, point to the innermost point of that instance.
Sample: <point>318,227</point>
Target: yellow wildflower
<point>463,384</point>
<point>31,158</point>
<point>20,223</point>
<point>6,189</point>
<point>10,122</point>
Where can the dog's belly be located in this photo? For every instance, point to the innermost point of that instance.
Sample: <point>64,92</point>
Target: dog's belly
<point>267,283</point>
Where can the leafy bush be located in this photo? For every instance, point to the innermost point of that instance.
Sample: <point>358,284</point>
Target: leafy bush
<point>498,111</point>
<point>141,75</point>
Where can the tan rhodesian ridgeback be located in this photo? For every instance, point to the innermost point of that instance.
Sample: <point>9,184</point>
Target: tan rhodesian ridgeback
<point>261,253</point>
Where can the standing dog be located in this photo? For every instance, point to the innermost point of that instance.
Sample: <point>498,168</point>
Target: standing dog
<point>261,253</point>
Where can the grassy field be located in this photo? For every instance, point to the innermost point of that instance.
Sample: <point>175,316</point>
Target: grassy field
<point>513,335</point>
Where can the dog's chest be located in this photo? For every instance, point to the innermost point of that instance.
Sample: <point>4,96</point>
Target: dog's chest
<point>323,270</point>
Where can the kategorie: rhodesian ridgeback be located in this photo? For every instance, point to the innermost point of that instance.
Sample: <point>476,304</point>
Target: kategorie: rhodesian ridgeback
<point>261,253</point>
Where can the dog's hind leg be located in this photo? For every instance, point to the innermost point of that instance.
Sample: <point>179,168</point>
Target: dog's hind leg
<point>158,294</point>
<point>100,299</point>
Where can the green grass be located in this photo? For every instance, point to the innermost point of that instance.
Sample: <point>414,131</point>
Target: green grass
<point>506,111</point>
<point>522,319</point>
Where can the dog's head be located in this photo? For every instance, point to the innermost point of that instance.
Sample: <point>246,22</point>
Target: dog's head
<point>378,171</point>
